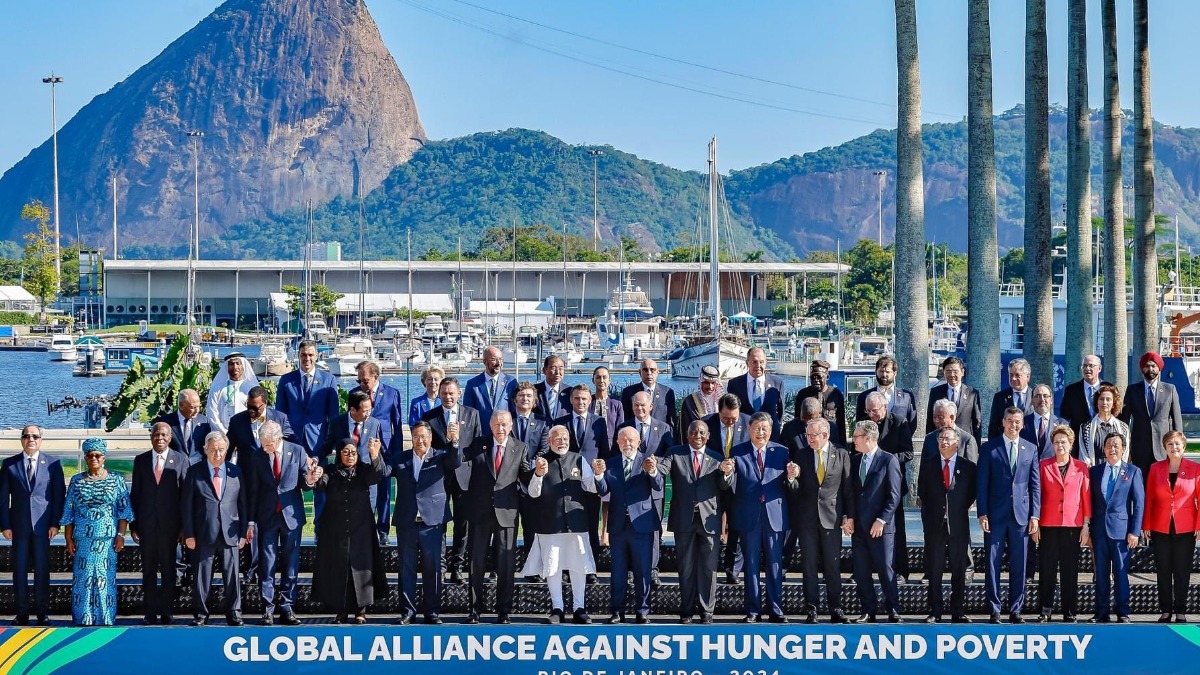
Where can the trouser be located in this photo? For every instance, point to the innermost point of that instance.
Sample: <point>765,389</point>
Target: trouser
<point>489,535</point>
<point>578,589</point>
<point>158,563</point>
<point>937,542</point>
<point>1112,569</point>
<point>1013,537</point>
<point>630,549</point>
<point>33,548</point>
<point>1059,555</point>
<point>763,548</point>
<point>279,552</point>
<point>1173,565</point>
<point>430,542</point>
<point>732,559</point>
<point>697,552</point>
<point>382,494</point>
<point>821,549</point>
<point>204,555</point>
<point>874,554</point>
<point>900,543</point>
<point>457,560</point>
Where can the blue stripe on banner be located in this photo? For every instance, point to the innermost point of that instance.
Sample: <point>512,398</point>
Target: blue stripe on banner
<point>665,650</point>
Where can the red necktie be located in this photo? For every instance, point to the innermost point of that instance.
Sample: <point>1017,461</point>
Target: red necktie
<point>217,481</point>
<point>761,465</point>
<point>355,435</point>
<point>157,469</point>
<point>499,456</point>
<point>278,504</point>
<point>696,462</point>
<point>946,474</point>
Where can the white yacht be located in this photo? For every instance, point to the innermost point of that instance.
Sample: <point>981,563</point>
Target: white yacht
<point>272,360</point>
<point>347,354</point>
<point>395,327</point>
<point>62,348</point>
<point>629,321</point>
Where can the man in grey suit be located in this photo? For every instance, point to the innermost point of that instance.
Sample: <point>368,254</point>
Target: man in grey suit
<point>1151,410</point>
<point>695,519</point>
<point>216,522</point>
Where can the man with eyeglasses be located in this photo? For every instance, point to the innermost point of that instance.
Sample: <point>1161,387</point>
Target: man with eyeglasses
<point>386,408</point>
<point>32,493</point>
<point>946,490</point>
<point>553,399</point>
<point>275,477</point>
<point>158,477</point>
<point>244,427</point>
<point>662,397</point>
<point>1078,405</point>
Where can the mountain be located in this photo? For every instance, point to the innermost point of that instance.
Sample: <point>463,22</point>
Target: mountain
<point>297,99</point>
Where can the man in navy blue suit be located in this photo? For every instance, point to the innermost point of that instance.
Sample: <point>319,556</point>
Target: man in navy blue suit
<point>188,425</point>
<point>727,429</point>
<point>534,432</point>
<point>662,397</point>
<point>387,408</point>
<point>491,390</point>
<point>158,477</point>
<point>759,392</point>
<point>1039,423</point>
<point>421,513</point>
<point>32,493</point>
<point>899,401</point>
<point>657,439</point>
<point>1017,394</point>
<point>275,477</point>
<point>309,398</point>
<point>875,477</point>
<point>553,397</point>
<point>1009,505</point>
<point>216,510</point>
<point>632,481</point>
<point>1118,504</point>
<point>589,437</point>
<point>455,427</point>
<point>760,476</point>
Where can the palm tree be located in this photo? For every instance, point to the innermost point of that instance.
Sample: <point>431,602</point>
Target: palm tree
<point>1039,310</point>
<point>983,292</point>
<point>1079,197</point>
<point>1145,252</point>
<point>1116,338</point>
<point>912,315</point>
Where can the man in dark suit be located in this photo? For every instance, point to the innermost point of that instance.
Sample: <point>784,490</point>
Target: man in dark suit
<point>490,390</point>
<point>1118,505</point>
<point>158,478</point>
<point>32,493</point>
<point>704,401</point>
<point>1009,504</point>
<point>309,398</point>
<point>1016,395</point>
<point>656,440</point>
<point>605,406</point>
<point>695,519</point>
<point>1078,399</point>
<point>275,479</point>
<point>760,475</point>
<point>1039,423</point>
<point>244,427</point>
<point>895,438</point>
<point>662,397</point>
<point>530,429</point>
<point>728,429</point>
<point>421,513</point>
<point>759,392</point>
<point>1151,410</point>
<point>497,466</point>
<point>944,414</point>
<point>946,489</point>
<point>875,476</point>
<point>820,512</point>
<point>455,428</point>
<point>633,482</point>
<point>387,408</point>
<point>830,399</point>
<point>356,423</point>
<point>589,438</point>
<point>188,426</point>
<point>899,401</point>
<point>216,522</point>
<point>962,395</point>
<point>553,397</point>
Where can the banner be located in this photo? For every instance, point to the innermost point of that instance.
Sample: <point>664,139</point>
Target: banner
<point>603,650</point>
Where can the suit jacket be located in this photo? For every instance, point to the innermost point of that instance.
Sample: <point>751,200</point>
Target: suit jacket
<point>754,492</point>
<point>1065,502</point>
<point>266,493</point>
<point>1147,430</point>
<point>613,414</point>
<point>200,429</point>
<point>387,407</point>
<point>631,502</point>
<point>31,510</point>
<point>691,411</point>
<point>691,492</point>
<point>595,443</point>
<point>476,396</point>
<point>966,447</point>
<point>833,406</point>
<point>308,411</point>
<point>1001,402</point>
<point>488,493</point>
<point>904,405</point>
<point>772,400</point>
<point>969,417</point>
<point>1181,504</point>
<point>1005,494</point>
<point>339,427</point>
<point>211,519</point>
<point>657,441</point>
<point>1121,514</point>
<point>895,438</point>
<point>542,408</point>
<point>663,401</point>
<point>1029,433</point>
<point>425,494</point>
<point>1074,407</point>
<point>537,434</point>
<point>241,433</point>
<point>878,497</point>
<point>156,506</point>
<point>953,505</point>
<point>741,432</point>
<point>470,430</point>
<point>831,501</point>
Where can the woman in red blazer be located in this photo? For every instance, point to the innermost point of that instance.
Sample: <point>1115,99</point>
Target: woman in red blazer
<point>1063,529</point>
<point>1172,514</point>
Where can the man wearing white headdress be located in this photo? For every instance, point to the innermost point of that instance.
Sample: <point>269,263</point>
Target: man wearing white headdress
<point>227,395</point>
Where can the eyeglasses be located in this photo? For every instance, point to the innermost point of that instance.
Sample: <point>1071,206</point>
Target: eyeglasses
<point>30,436</point>
<point>348,451</point>
<point>94,455</point>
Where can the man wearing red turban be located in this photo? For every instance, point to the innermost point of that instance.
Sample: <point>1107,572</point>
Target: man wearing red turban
<point>1151,410</point>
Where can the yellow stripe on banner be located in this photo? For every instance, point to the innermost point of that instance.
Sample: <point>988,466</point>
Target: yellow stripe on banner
<point>12,649</point>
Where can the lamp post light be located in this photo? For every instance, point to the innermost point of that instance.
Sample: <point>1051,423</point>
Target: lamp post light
<point>595,153</point>
<point>53,81</point>
<point>194,236</point>
<point>880,177</point>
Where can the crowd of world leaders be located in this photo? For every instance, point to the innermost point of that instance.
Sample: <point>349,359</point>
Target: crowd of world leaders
<point>575,469</point>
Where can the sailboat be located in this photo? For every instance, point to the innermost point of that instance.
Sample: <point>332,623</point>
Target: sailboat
<point>728,356</point>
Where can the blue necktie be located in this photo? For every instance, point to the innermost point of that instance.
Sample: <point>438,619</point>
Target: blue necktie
<point>1150,400</point>
<point>524,424</point>
<point>1112,483</point>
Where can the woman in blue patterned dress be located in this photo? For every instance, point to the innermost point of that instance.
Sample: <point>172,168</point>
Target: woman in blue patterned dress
<point>95,519</point>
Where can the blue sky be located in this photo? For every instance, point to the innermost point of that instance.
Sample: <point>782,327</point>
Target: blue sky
<point>831,66</point>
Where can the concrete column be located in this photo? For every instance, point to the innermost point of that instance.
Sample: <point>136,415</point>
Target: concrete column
<point>147,296</point>
<point>582,291</point>
<point>237,293</point>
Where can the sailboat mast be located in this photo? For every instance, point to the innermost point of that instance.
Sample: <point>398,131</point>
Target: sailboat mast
<point>714,280</point>
<point>362,279</point>
<point>308,244</point>
<point>516,343</point>
<point>410,297</point>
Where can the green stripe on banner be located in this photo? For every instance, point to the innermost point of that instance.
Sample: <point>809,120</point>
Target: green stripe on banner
<point>72,650</point>
<point>1189,633</point>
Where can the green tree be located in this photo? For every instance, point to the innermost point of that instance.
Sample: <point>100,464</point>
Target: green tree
<point>322,300</point>
<point>41,279</point>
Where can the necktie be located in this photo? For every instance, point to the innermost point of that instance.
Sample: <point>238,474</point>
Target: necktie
<point>492,390</point>
<point>820,467</point>
<point>29,472</point>
<point>628,468</point>
<point>641,431</point>
<point>372,395</point>
<point>946,473</point>
<point>953,395</point>
<point>308,382</point>
<point>355,436</point>
<point>523,424</point>
<point>552,402</point>
<point>728,441</point>
<point>1087,393</point>
<point>276,466</point>
<point>1041,431</point>
<point>696,462</point>
<point>1012,456</point>
<point>187,436</point>
<point>761,462</point>
<point>157,468</point>
<point>1150,400</point>
<point>255,426</point>
<point>888,393</point>
<point>1112,483</point>
<point>578,429</point>
<point>757,401</point>
<point>862,470</point>
<point>1017,401</point>
<point>499,456</point>
<point>217,481</point>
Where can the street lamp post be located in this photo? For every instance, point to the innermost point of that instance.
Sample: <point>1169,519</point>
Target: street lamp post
<point>595,153</point>
<point>194,237</point>
<point>257,323</point>
<point>53,81</point>
<point>879,175</point>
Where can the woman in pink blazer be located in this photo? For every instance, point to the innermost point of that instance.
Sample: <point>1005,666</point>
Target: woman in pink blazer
<point>1063,529</point>
<point>1172,514</point>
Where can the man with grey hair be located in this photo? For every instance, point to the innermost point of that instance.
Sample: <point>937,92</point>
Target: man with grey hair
<point>876,479</point>
<point>944,416</point>
<point>216,521</point>
<point>895,438</point>
<point>188,425</point>
<point>276,478</point>
<point>1017,395</point>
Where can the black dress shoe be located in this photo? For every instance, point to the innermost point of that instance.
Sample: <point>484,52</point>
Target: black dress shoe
<point>1165,617</point>
<point>810,618</point>
<point>642,619</point>
<point>894,617</point>
<point>592,580</point>
<point>1123,619</point>
<point>933,618</point>
<point>456,578</point>
<point>960,618</point>
<point>731,580</point>
<point>616,618</point>
<point>838,617</point>
<point>581,617</point>
<point>685,620</point>
<point>199,621</point>
<point>502,619</point>
<point>166,620</point>
<point>405,619</point>
<point>778,618</point>
<point>1069,618</point>
<point>150,619</point>
<point>472,618</point>
<point>1044,617</point>
<point>864,618</point>
<point>235,621</point>
<point>43,620</point>
<point>267,619</point>
<point>290,619</point>
<point>706,619</point>
<point>1016,618</point>
<point>433,620</point>
<point>750,618</point>
<point>1100,619</point>
<point>556,616</point>
<point>994,618</point>
<point>341,618</point>
<point>1181,618</point>
<point>21,621</point>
